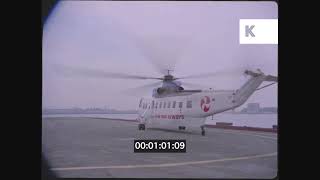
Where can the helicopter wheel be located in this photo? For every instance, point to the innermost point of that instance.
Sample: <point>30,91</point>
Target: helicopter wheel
<point>141,127</point>
<point>203,132</point>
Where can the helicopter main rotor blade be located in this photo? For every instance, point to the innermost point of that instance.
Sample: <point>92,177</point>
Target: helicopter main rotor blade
<point>95,73</point>
<point>140,90</point>
<point>193,85</point>
<point>230,72</point>
<point>162,52</point>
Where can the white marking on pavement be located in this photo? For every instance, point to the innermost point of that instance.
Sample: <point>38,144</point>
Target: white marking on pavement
<point>166,164</point>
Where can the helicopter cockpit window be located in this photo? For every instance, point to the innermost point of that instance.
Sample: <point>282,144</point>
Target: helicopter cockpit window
<point>180,104</point>
<point>189,104</point>
<point>174,104</point>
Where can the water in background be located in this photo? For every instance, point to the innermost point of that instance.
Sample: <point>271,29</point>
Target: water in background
<point>250,120</point>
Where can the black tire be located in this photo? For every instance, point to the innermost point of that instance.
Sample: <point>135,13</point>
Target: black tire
<point>140,127</point>
<point>203,133</point>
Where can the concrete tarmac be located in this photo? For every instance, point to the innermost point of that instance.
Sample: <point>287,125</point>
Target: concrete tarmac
<point>102,148</point>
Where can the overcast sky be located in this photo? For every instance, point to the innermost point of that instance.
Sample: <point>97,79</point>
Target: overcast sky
<point>191,37</point>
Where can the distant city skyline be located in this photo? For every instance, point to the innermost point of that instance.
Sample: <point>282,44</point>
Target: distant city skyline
<point>111,108</point>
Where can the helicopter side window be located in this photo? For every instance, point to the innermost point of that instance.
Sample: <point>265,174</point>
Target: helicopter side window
<point>160,105</point>
<point>189,104</point>
<point>169,103</point>
<point>164,104</point>
<point>180,104</point>
<point>174,104</point>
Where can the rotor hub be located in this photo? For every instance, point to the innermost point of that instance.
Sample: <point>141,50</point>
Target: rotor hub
<point>168,78</point>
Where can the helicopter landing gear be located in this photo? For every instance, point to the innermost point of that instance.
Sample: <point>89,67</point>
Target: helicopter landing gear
<point>141,127</point>
<point>203,132</point>
<point>182,128</point>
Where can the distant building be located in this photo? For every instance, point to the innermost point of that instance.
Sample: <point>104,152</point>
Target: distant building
<point>269,110</point>
<point>87,111</point>
<point>244,110</point>
<point>223,124</point>
<point>253,108</point>
<point>275,127</point>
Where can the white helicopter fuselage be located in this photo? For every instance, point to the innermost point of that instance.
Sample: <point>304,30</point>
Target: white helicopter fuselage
<point>185,110</point>
<point>193,109</point>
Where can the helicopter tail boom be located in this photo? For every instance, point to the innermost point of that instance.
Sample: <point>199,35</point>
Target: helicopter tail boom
<point>257,78</point>
<point>271,78</point>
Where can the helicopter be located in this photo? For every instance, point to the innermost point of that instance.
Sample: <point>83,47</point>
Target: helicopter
<point>171,105</point>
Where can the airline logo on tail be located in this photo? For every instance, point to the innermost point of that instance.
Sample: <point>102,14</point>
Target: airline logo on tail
<point>205,103</point>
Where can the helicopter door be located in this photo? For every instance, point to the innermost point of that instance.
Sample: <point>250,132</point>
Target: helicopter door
<point>180,106</point>
<point>152,110</point>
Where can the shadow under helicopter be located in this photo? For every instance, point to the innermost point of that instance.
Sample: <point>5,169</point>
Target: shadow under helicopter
<point>175,131</point>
